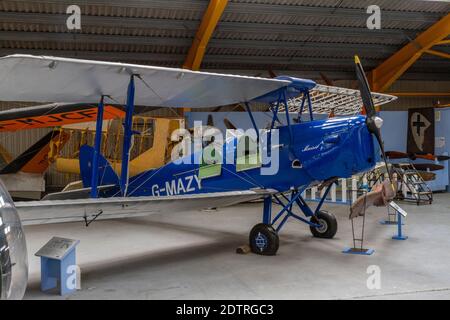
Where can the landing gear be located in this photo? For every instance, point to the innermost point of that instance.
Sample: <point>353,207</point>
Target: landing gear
<point>264,240</point>
<point>328,225</point>
<point>264,236</point>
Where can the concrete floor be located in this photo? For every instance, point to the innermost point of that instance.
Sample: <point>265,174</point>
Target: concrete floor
<point>191,255</point>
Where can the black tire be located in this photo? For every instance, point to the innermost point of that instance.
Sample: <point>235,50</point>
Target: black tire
<point>264,240</point>
<point>328,222</point>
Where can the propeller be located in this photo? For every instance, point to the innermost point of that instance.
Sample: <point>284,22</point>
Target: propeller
<point>373,122</point>
<point>429,156</point>
<point>414,156</point>
<point>382,193</point>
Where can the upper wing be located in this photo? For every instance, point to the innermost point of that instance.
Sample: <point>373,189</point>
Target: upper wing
<point>43,79</point>
<point>340,101</point>
<point>52,115</point>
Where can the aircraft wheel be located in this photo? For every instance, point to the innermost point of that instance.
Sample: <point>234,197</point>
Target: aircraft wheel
<point>328,224</point>
<point>264,240</point>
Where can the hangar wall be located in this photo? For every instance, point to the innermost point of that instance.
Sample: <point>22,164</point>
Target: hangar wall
<point>395,130</point>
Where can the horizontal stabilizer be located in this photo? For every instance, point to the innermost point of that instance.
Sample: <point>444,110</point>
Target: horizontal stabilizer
<point>35,159</point>
<point>54,115</point>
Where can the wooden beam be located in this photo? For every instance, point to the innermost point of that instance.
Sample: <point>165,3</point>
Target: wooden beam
<point>443,42</point>
<point>438,53</point>
<point>383,76</point>
<point>420,94</point>
<point>207,26</point>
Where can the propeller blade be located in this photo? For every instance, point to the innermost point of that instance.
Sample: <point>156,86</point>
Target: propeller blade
<point>426,175</point>
<point>396,155</point>
<point>229,125</point>
<point>442,158</point>
<point>432,157</point>
<point>428,166</point>
<point>373,122</point>
<point>364,88</point>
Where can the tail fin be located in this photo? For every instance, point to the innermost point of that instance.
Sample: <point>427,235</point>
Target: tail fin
<point>36,158</point>
<point>106,174</point>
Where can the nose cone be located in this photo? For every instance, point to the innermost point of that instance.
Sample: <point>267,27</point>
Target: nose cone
<point>378,122</point>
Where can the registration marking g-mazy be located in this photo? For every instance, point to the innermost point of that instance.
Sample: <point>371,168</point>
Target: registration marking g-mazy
<point>177,186</point>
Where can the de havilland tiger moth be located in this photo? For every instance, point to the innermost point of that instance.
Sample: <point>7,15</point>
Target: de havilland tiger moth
<point>289,157</point>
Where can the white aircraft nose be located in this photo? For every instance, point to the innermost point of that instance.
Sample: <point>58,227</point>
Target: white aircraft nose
<point>378,122</point>
<point>13,250</point>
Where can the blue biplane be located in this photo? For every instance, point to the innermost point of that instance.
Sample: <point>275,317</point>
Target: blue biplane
<point>310,152</point>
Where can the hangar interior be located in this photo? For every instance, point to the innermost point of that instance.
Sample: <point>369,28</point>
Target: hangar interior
<point>191,254</point>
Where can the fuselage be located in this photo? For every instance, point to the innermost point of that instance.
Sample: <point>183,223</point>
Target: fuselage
<point>308,152</point>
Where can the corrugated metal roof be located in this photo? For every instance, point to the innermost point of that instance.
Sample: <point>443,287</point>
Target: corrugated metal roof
<point>398,5</point>
<point>252,34</point>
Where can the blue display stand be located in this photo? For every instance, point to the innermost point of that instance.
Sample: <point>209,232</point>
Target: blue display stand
<point>399,235</point>
<point>364,252</point>
<point>392,218</point>
<point>57,258</point>
<point>400,215</point>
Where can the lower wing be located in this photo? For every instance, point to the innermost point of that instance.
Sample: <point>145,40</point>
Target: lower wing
<point>87,210</point>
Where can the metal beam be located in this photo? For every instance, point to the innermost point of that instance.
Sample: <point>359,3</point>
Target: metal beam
<point>53,20</point>
<point>288,11</point>
<point>383,76</point>
<point>304,62</point>
<point>83,38</point>
<point>126,25</point>
<point>207,26</point>
<point>304,11</point>
<point>438,54</point>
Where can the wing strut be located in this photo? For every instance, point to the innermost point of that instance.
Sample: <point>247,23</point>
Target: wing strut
<point>288,121</point>
<point>98,143</point>
<point>247,106</point>
<point>127,136</point>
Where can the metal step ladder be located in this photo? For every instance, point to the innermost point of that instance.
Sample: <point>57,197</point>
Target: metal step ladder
<point>413,187</point>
